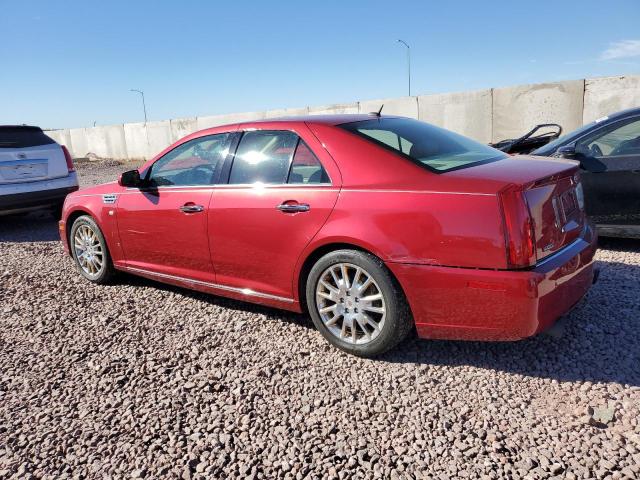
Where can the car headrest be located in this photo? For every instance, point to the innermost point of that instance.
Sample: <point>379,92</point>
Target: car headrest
<point>296,178</point>
<point>319,176</point>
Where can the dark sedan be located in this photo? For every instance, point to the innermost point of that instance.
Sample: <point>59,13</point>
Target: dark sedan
<point>608,150</point>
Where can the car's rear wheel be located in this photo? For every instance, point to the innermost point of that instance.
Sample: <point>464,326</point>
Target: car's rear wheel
<point>356,303</point>
<point>89,250</point>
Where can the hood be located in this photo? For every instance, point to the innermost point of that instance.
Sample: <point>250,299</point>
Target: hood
<point>111,187</point>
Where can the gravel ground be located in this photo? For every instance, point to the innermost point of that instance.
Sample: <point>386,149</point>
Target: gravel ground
<point>144,380</point>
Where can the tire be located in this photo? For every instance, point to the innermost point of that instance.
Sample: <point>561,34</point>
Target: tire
<point>346,313</point>
<point>86,235</point>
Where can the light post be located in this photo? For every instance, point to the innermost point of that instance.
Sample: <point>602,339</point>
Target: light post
<point>144,107</point>
<point>408,61</point>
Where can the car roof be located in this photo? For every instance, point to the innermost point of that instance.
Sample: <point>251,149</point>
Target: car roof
<point>20,127</point>
<point>321,119</point>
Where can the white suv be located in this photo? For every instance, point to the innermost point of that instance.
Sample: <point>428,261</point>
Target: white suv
<point>35,171</point>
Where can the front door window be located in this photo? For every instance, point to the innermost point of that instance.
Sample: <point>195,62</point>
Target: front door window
<point>193,163</point>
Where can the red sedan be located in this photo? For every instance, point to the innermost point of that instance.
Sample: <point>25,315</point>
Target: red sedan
<point>372,224</point>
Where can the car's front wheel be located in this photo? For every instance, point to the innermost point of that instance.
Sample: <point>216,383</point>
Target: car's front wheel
<point>356,303</point>
<point>89,250</point>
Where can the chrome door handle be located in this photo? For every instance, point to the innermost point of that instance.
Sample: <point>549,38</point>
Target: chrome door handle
<point>293,207</point>
<point>190,208</point>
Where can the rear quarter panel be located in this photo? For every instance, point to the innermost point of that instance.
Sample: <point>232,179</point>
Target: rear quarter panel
<point>420,227</point>
<point>404,213</point>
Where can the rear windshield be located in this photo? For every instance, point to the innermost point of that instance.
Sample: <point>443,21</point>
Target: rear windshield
<point>21,137</point>
<point>435,148</point>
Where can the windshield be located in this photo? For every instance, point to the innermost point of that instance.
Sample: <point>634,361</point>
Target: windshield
<point>435,148</point>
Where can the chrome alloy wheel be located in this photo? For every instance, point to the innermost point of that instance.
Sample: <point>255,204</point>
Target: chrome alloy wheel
<point>350,303</point>
<point>88,250</point>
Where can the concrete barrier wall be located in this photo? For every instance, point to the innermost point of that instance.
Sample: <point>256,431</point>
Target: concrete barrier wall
<point>604,96</point>
<point>485,115</point>
<point>467,113</point>
<point>107,141</point>
<point>63,137</point>
<point>158,137</point>
<point>403,106</point>
<point>181,127</point>
<point>518,109</point>
<point>217,120</point>
<point>79,142</point>
<point>135,137</point>
<point>338,109</point>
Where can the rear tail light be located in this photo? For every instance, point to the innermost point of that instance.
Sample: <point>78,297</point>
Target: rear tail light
<point>67,157</point>
<point>519,232</point>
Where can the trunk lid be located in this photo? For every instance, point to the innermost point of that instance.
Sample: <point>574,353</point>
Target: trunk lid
<point>551,189</point>
<point>557,210</point>
<point>28,155</point>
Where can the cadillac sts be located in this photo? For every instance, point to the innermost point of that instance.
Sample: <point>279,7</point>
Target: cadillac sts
<point>377,226</point>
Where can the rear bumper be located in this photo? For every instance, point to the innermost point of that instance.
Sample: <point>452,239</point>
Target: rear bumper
<point>467,304</point>
<point>24,196</point>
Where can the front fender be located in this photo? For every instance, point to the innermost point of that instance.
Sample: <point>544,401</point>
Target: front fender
<point>102,208</point>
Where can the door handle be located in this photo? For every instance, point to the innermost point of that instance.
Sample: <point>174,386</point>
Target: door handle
<point>293,207</point>
<point>191,208</point>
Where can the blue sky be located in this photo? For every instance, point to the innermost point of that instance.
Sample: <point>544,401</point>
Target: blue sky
<point>70,63</point>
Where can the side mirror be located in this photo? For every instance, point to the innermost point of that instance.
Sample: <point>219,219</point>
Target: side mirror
<point>587,162</point>
<point>566,151</point>
<point>130,179</point>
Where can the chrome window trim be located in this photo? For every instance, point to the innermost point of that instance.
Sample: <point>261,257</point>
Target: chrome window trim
<point>243,291</point>
<point>318,186</point>
<point>275,185</point>
<point>232,185</point>
<point>373,190</point>
<point>171,187</point>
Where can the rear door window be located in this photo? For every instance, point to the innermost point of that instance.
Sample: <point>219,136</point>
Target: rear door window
<point>306,168</point>
<point>263,156</point>
<point>23,137</point>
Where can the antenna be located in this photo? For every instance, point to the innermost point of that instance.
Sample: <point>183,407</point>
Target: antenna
<point>379,112</point>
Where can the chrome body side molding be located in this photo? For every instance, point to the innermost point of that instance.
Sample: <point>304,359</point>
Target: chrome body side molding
<point>244,291</point>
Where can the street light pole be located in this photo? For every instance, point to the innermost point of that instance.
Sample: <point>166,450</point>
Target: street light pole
<point>408,61</point>
<point>144,107</point>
